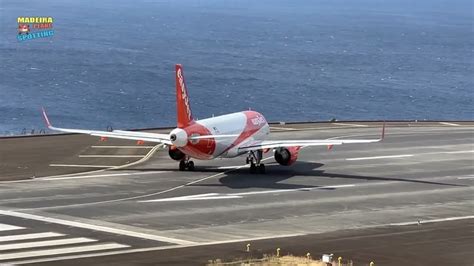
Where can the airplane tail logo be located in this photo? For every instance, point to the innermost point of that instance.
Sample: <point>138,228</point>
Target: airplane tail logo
<point>185,117</point>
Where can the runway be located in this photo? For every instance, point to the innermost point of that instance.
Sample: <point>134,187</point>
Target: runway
<point>405,200</point>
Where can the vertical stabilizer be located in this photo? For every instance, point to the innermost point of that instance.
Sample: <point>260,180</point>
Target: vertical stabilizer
<point>183,107</point>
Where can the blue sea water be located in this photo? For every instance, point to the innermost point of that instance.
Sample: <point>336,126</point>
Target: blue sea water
<point>111,62</point>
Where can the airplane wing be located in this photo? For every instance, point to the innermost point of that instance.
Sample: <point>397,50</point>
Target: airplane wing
<point>272,144</point>
<point>119,134</point>
<point>213,136</point>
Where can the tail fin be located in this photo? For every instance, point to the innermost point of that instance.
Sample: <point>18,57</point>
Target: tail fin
<point>183,107</point>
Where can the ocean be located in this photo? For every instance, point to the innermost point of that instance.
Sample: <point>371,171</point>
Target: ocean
<point>111,63</point>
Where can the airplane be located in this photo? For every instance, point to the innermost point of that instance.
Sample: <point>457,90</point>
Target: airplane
<point>225,136</point>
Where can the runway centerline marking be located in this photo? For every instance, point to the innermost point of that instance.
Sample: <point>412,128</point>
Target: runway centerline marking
<point>121,147</point>
<point>447,219</point>
<point>456,152</point>
<point>111,230</point>
<point>211,196</point>
<point>81,165</point>
<point>449,124</point>
<point>283,128</point>
<point>466,177</point>
<point>92,176</point>
<point>352,125</point>
<point>110,156</point>
<point>380,157</point>
<point>408,155</point>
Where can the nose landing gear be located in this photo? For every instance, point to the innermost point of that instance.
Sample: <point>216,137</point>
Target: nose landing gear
<point>186,164</point>
<point>254,159</point>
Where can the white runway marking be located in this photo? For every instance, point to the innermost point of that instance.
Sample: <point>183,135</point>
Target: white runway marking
<point>49,252</point>
<point>283,128</point>
<point>208,196</point>
<point>104,175</point>
<point>7,227</point>
<point>380,157</point>
<point>151,194</point>
<point>193,182</point>
<point>449,124</point>
<point>81,165</point>
<point>229,167</point>
<point>466,177</point>
<point>408,155</point>
<point>435,220</point>
<point>211,196</point>
<point>29,236</point>
<point>111,230</point>
<point>110,156</point>
<point>122,147</point>
<point>46,243</point>
<point>456,152</point>
<point>276,191</point>
<point>352,125</point>
<point>128,251</point>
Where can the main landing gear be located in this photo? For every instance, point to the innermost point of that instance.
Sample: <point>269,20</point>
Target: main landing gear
<point>254,159</point>
<point>186,164</point>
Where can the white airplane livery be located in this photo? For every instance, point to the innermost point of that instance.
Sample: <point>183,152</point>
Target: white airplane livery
<point>226,136</point>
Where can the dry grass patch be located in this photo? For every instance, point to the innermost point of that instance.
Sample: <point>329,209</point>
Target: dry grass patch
<point>271,261</point>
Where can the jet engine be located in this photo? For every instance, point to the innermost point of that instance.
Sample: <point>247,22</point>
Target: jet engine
<point>175,154</point>
<point>179,137</point>
<point>287,155</point>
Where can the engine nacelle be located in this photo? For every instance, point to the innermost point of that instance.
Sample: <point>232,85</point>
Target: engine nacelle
<point>175,154</point>
<point>179,137</point>
<point>286,156</point>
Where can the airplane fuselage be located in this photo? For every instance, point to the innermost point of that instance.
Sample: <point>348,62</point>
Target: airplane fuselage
<point>247,126</point>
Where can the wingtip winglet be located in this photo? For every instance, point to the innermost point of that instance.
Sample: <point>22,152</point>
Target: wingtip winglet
<point>46,119</point>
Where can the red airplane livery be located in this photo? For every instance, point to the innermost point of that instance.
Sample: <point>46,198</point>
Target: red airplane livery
<point>225,136</point>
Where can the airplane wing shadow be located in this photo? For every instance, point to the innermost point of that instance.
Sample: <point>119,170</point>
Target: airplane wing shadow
<point>276,175</point>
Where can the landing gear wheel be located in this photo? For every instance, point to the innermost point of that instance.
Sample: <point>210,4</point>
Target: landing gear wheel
<point>182,165</point>
<point>191,166</point>
<point>253,168</point>
<point>261,169</point>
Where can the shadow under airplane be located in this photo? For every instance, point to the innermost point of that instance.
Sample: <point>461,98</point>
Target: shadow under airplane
<point>241,178</point>
<point>275,174</point>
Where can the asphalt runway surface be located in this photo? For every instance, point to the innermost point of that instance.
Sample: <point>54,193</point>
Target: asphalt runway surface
<point>407,200</point>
